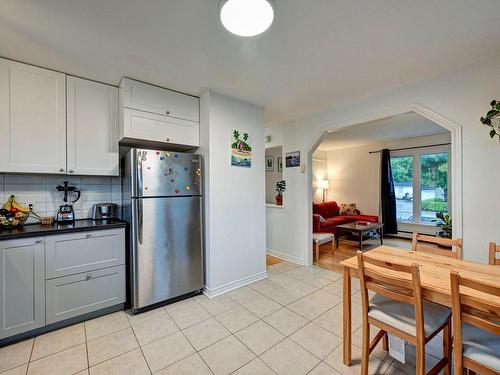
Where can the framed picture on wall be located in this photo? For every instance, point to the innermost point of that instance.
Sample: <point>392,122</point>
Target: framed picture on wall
<point>269,163</point>
<point>292,159</point>
<point>280,163</point>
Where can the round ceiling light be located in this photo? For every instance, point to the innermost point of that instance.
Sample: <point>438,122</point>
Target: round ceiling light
<point>246,17</point>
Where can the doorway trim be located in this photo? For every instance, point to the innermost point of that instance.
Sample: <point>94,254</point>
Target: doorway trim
<point>456,163</point>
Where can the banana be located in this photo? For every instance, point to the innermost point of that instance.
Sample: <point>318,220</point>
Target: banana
<point>15,204</point>
<point>8,204</point>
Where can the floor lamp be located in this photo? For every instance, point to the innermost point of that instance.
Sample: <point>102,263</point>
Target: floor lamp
<point>323,185</point>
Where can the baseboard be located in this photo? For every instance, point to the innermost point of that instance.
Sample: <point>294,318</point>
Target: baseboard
<point>211,293</point>
<point>283,256</point>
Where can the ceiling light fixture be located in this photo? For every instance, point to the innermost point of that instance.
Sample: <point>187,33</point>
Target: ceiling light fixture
<point>246,17</point>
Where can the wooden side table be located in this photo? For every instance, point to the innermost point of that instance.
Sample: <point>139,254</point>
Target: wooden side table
<point>320,239</point>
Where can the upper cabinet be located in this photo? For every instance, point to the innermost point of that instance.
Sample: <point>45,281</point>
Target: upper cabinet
<point>32,119</point>
<point>42,133</point>
<point>151,113</point>
<point>92,125</point>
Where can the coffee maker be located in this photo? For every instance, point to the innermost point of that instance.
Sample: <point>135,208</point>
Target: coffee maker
<point>66,213</point>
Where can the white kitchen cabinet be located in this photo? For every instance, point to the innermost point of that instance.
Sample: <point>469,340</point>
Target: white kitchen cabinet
<point>156,128</point>
<point>22,286</point>
<point>92,127</point>
<point>32,119</point>
<point>149,98</point>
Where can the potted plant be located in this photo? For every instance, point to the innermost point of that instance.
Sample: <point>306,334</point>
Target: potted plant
<point>445,224</point>
<point>492,119</point>
<point>280,188</point>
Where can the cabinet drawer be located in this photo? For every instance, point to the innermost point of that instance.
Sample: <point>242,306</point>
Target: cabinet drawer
<point>157,128</point>
<point>68,254</point>
<point>82,293</point>
<point>154,99</point>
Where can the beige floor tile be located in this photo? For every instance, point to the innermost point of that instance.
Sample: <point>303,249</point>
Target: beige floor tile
<point>163,352</point>
<point>281,267</point>
<point>139,318</point>
<point>332,321</point>
<point>21,370</point>
<point>15,355</point>
<point>264,286</point>
<point>106,324</point>
<point>236,319</point>
<point>192,365</point>
<point>188,314</point>
<point>338,289</point>
<point>130,363</point>
<point>300,288</point>
<point>154,328</point>
<point>284,296</point>
<point>255,367</point>
<point>288,358</point>
<point>356,313</point>
<point>300,273</point>
<point>69,361</point>
<point>282,280</point>
<point>205,333</point>
<point>326,299</point>
<point>410,362</point>
<point>378,351</point>
<point>285,321</point>
<point>323,369</point>
<point>226,356</point>
<point>243,294</point>
<point>84,372</point>
<point>57,341</point>
<point>218,305</point>
<point>259,337</point>
<point>262,306</point>
<point>319,280</point>
<point>112,345</point>
<point>317,340</point>
<point>335,360</point>
<point>332,275</point>
<point>308,307</point>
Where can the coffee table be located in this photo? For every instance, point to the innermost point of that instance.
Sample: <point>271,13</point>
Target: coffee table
<point>360,231</point>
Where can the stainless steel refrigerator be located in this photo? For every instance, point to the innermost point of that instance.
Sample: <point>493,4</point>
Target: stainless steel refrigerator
<point>162,202</point>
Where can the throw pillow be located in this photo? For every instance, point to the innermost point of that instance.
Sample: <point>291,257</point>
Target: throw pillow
<point>321,219</point>
<point>348,209</point>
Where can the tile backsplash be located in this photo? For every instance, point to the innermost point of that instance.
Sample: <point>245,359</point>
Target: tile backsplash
<point>40,190</point>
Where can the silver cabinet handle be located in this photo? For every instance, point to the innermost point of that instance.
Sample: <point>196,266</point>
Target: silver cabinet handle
<point>61,169</point>
<point>168,139</point>
<point>89,276</point>
<point>37,242</point>
<point>88,235</point>
<point>167,113</point>
<point>71,171</point>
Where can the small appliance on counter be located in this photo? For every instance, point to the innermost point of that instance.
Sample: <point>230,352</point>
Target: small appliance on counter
<point>104,211</point>
<point>66,213</point>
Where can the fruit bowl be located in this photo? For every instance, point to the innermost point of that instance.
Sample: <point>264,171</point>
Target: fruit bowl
<point>12,214</point>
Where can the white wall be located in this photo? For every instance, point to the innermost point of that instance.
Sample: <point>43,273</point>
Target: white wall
<point>354,173</point>
<point>273,177</point>
<point>461,96</point>
<point>235,242</point>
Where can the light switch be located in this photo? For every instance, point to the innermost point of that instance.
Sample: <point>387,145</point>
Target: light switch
<point>303,168</point>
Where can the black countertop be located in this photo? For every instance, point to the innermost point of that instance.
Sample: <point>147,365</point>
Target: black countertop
<point>35,230</point>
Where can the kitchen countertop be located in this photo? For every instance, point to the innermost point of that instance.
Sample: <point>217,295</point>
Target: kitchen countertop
<point>83,225</point>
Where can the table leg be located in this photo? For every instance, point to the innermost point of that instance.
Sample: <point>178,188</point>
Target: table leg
<point>381,233</point>
<point>361,241</point>
<point>317,251</point>
<point>346,328</point>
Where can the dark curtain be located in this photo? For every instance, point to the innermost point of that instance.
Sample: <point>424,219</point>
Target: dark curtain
<point>388,196</point>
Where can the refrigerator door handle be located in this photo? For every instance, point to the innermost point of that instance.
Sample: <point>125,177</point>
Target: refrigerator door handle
<point>140,221</point>
<point>139,173</point>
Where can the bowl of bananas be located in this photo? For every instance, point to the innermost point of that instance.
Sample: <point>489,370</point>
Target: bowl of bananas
<point>12,214</point>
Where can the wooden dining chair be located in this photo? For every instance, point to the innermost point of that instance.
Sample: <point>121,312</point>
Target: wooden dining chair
<point>494,250</point>
<point>454,244</point>
<point>397,308</point>
<point>476,326</point>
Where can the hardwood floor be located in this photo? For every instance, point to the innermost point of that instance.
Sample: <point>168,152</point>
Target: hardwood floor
<point>330,259</point>
<point>270,260</point>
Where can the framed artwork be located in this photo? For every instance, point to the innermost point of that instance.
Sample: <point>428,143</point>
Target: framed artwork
<point>292,159</point>
<point>241,149</point>
<point>269,163</point>
<point>280,163</point>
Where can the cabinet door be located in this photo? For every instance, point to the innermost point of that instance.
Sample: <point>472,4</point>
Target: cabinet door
<point>154,99</point>
<point>67,254</point>
<point>92,128</point>
<point>83,293</point>
<point>32,119</point>
<point>22,286</point>
<point>157,128</point>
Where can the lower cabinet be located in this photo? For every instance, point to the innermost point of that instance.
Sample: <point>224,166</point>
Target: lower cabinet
<point>70,296</point>
<point>22,286</point>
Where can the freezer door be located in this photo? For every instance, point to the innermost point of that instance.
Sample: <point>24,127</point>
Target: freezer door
<point>166,173</point>
<point>166,251</point>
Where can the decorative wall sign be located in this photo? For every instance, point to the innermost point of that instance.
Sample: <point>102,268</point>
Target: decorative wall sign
<point>292,159</point>
<point>269,163</point>
<point>241,149</point>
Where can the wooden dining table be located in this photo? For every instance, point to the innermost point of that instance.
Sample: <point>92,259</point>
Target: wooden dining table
<point>434,277</point>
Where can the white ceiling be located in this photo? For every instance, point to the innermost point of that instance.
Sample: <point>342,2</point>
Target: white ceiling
<point>316,54</point>
<point>408,125</point>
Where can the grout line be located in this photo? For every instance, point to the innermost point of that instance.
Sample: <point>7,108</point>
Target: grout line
<point>140,348</point>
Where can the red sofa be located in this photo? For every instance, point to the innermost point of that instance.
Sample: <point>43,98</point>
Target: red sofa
<point>331,213</point>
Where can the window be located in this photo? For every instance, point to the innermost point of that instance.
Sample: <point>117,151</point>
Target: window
<point>421,183</point>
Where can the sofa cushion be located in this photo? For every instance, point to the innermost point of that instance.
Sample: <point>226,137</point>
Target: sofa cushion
<point>370,218</point>
<point>348,209</point>
<point>320,209</point>
<point>334,221</point>
<point>332,209</point>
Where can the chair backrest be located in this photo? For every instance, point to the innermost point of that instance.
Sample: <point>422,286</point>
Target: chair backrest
<point>494,250</point>
<point>399,282</point>
<point>454,244</point>
<point>474,307</point>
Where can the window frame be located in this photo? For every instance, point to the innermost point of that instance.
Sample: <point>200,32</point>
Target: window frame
<point>417,153</point>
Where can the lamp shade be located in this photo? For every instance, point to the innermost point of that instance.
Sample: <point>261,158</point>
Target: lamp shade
<point>322,184</point>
